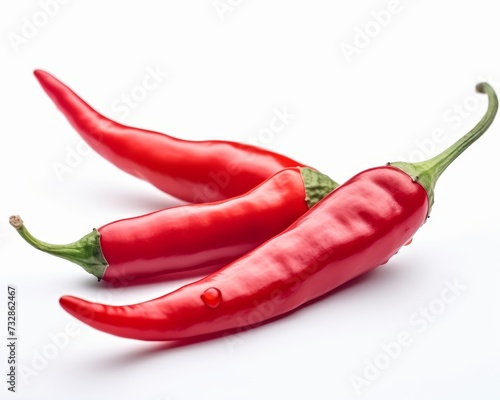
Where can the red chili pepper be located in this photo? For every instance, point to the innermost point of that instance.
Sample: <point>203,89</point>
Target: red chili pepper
<point>356,228</point>
<point>193,236</point>
<point>194,171</point>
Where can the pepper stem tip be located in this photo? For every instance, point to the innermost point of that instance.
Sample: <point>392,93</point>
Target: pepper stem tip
<point>16,221</point>
<point>482,87</point>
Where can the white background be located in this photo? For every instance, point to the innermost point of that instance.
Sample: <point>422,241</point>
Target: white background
<point>228,69</point>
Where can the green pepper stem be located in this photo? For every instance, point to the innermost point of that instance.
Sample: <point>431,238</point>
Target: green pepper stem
<point>85,252</point>
<point>426,173</point>
<point>317,185</point>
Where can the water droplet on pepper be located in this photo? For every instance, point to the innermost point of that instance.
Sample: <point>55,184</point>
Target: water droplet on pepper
<point>212,297</point>
<point>409,242</point>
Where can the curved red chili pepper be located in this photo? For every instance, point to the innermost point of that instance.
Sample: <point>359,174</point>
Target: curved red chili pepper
<point>193,236</point>
<point>354,229</point>
<point>194,171</point>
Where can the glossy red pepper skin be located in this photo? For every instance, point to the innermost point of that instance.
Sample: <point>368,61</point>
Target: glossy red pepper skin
<point>202,235</point>
<point>356,228</point>
<point>194,236</point>
<point>194,171</point>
